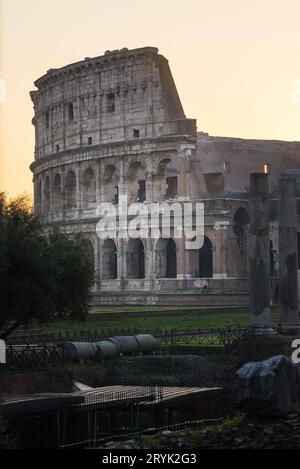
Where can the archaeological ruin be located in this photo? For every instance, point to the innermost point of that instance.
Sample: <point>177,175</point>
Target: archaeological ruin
<point>114,125</point>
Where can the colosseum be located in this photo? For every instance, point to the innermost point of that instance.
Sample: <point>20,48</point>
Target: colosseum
<point>114,125</point>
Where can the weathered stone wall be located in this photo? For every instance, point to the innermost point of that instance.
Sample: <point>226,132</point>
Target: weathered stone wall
<point>228,161</point>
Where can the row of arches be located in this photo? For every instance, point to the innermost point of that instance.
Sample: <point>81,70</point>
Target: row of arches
<point>59,193</point>
<point>165,259</point>
<point>70,191</point>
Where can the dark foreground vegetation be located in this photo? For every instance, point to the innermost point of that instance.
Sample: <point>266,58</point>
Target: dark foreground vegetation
<point>237,433</point>
<point>42,277</point>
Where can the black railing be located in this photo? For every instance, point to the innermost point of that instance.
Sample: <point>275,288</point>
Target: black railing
<point>22,356</point>
<point>47,350</point>
<point>201,336</point>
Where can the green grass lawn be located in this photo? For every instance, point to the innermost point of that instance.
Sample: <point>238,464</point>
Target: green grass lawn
<point>96,310</point>
<point>166,320</point>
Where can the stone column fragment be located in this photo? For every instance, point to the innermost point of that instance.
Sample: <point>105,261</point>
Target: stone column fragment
<point>259,254</point>
<point>288,255</point>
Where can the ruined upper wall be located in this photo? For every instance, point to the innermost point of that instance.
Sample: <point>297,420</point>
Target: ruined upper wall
<point>121,95</point>
<point>227,162</point>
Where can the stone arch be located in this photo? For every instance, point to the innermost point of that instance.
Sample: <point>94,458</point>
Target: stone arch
<point>110,186</point>
<point>56,192</point>
<point>135,258</point>
<point>47,194</point>
<point>88,187</point>
<point>166,179</point>
<point>136,182</point>
<point>166,258</point>
<point>240,221</point>
<point>206,259</point>
<point>109,260</point>
<point>71,190</point>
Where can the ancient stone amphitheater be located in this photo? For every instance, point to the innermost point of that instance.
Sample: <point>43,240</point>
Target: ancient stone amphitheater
<point>114,125</point>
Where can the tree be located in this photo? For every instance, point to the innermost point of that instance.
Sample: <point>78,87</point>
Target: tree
<point>73,274</point>
<point>41,277</point>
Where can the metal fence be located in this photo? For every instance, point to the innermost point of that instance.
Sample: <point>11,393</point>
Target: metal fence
<point>23,356</point>
<point>201,336</point>
<point>211,336</point>
<point>47,350</point>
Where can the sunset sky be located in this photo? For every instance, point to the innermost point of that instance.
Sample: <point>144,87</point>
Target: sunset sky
<point>236,63</point>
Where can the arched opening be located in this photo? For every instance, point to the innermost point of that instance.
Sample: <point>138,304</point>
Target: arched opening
<point>71,190</point>
<point>47,194</point>
<point>135,259</point>
<point>171,259</point>
<point>111,189</point>
<point>206,259</point>
<point>240,221</point>
<point>88,187</point>
<point>109,260</point>
<point>56,192</point>
<point>136,182</point>
<point>166,179</point>
<point>166,258</point>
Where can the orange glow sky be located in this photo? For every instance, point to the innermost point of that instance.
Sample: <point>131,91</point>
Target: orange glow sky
<point>234,62</point>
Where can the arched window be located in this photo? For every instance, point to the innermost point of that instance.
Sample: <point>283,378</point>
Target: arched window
<point>166,258</point>
<point>88,187</point>
<point>167,178</point>
<point>57,192</point>
<point>109,260</point>
<point>47,194</point>
<point>135,259</point>
<point>71,190</point>
<point>136,182</point>
<point>206,259</point>
<point>111,193</point>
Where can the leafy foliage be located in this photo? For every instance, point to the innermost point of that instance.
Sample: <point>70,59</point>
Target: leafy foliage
<point>42,277</point>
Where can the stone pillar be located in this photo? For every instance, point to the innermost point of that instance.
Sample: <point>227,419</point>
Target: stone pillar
<point>78,187</point>
<point>183,261</point>
<point>219,255</point>
<point>184,172</point>
<point>149,186</point>
<point>122,183</point>
<point>288,256</point>
<point>99,182</point>
<point>149,267</point>
<point>259,255</point>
